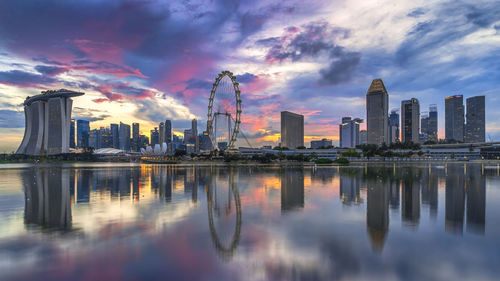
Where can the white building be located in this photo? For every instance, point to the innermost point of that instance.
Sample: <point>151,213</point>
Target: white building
<point>349,132</point>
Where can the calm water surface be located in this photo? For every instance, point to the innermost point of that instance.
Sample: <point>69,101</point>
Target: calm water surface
<point>132,222</point>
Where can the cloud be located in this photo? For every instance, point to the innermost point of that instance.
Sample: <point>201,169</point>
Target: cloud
<point>313,40</point>
<point>89,114</point>
<point>49,70</point>
<point>25,79</point>
<point>11,119</point>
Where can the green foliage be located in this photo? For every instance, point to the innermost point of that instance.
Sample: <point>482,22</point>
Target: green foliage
<point>342,161</point>
<point>231,157</point>
<point>324,161</point>
<point>350,153</point>
<point>266,158</point>
<point>301,147</point>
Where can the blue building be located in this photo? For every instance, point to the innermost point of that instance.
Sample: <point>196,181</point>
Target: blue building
<point>72,134</point>
<point>82,133</point>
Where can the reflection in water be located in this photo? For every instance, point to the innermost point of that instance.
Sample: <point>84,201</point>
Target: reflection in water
<point>476,200</point>
<point>47,198</point>
<point>349,187</point>
<point>429,188</point>
<point>410,209</point>
<point>224,249</point>
<point>455,199</point>
<point>292,189</point>
<point>160,203</point>
<point>377,212</point>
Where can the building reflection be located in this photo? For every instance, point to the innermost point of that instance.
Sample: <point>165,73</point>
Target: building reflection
<point>292,189</point>
<point>476,199</point>
<point>429,189</point>
<point>349,186</point>
<point>455,199</point>
<point>47,198</point>
<point>410,197</point>
<point>377,212</point>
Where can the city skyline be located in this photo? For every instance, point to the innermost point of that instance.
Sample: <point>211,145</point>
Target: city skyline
<point>315,59</point>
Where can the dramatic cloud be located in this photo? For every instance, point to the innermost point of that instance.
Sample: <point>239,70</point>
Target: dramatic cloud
<point>152,60</point>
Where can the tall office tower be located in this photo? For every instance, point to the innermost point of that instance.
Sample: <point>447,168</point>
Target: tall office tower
<point>106,140</point>
<point>187,136</point>
<point>155,137</point>
<point>362,137</point>
<point>424,127</point>
<point>72,134</point>
<point>115,135</point>
<point>410,120</point>
<point>124,137</point>
<point>82,133</point>
<point>394,126</point>
<point>168,131</point>
<point>292,129</point>
<point>349,132</point>
<point>135,137</point>
<point>48,117</point>
<point>194,131</point>
<point>162,133</point>
<point>476,123</point>
<point>377,104</point>
<point>432,123</point>
<point>454,118</point>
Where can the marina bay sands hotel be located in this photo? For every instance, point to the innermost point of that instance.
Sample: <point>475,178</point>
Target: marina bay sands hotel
<point>48,118</point>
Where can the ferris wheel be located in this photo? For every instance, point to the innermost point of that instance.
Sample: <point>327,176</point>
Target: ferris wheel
<point>224,111</point>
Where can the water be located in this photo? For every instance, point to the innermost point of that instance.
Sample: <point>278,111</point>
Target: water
<point>145,222</point>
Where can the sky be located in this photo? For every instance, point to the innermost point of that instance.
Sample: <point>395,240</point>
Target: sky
<point>148,61</point>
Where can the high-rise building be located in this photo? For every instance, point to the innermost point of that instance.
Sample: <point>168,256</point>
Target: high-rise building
<point>124,137</point>
<point>377,104</point>
<point>115,135</point>
<point>135,137</point>
<point>362,137</point>
<point>424,127</point>
<point>72,134</point>
<point>82,133</point>
<point>168,131</point>
<point>324,143</point>
<point>106,138</point>
<point>349,132</point>
<point>432,123</point>
<point>155,137</point>
<point>187,136</point>
<point>410,120</point>
<point>476,123</point>
<point>161,132</point>
<point>394,126</point>
<point>292,130</point>
<point>194,131</point>
<point>48,117</point>
<point>454,118</point>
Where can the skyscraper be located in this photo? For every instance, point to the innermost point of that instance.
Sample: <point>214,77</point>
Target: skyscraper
<point>349,132</point>
<point>454,118</point>
<point>377,103</point>
<point>292,130</point>
<point>124,137</point>
<point>82,133</point>
<point>135,137</point>
<point>72,134</point>
<point>155,137</point>
<point>394,126</point>
<point>410,120</point>
<point>115,135</point>
<point>476,123</point>
<point>162,133</point>
<point>194,131</point>
<point>362,137</point>
<point>168,131</point>
<point>432,123</point>
<point>424,127</point>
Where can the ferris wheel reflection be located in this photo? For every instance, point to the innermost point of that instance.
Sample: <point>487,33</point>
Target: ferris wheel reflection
<point>224,210</point>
